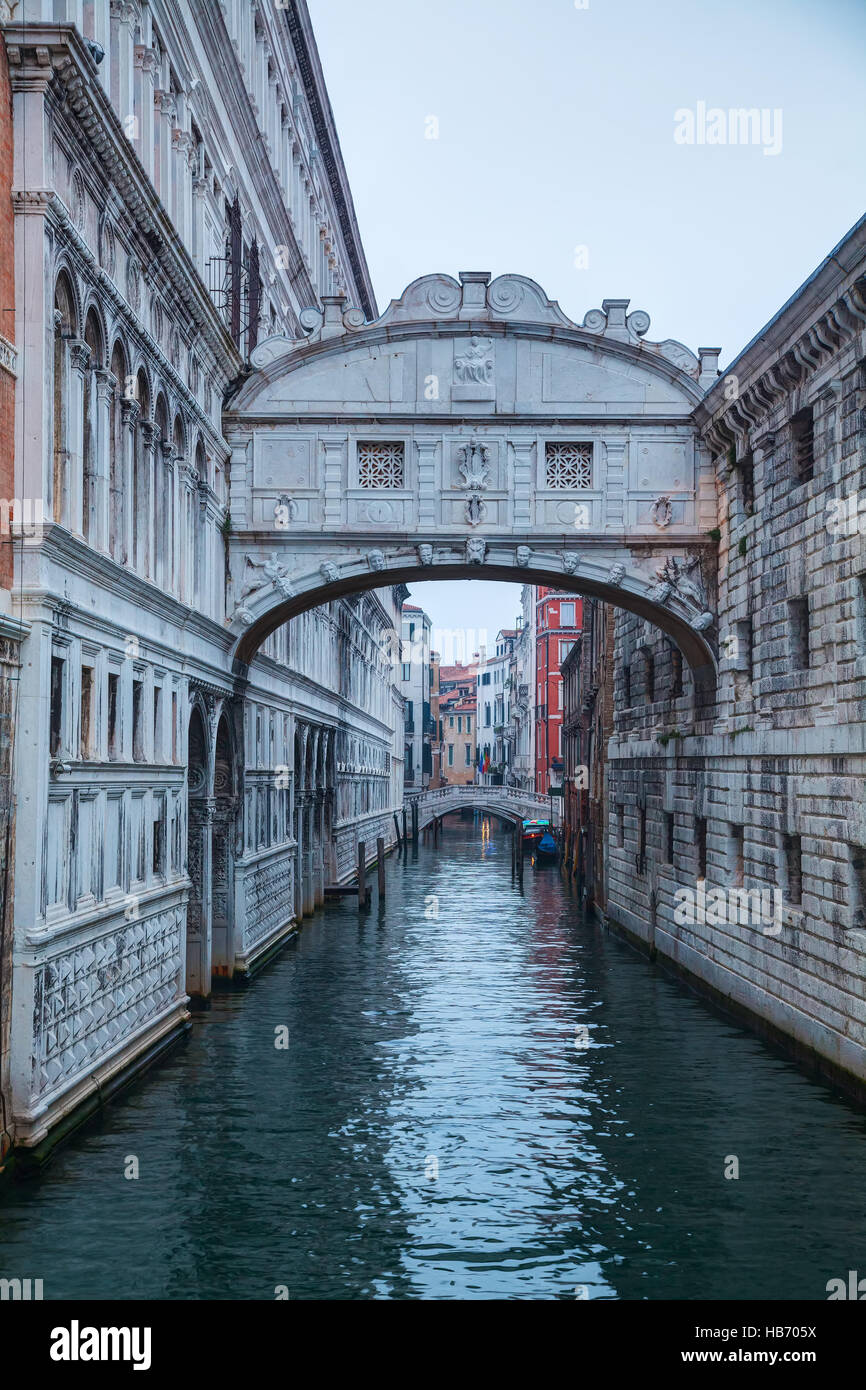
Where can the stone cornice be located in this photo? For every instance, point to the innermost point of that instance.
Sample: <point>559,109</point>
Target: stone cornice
<point>218,45</point>
<point>77,557</point>
<point>40,54</point>
<point>825,315</point>
<point>304,45</point>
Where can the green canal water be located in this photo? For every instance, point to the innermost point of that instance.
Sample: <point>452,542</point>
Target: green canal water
<point>438,1126</point>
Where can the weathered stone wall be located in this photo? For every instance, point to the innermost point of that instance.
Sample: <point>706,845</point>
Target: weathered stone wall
<point>769,798</point>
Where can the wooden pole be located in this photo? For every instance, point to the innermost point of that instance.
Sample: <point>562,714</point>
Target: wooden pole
<point>380,853</point>
<point>397,828</point>
<point>405,835</point>
<point>362,874</point>
<point>415,822</point>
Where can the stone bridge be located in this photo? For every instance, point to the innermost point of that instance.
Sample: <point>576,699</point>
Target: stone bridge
<point>473,431</point>
<point>510,803</point>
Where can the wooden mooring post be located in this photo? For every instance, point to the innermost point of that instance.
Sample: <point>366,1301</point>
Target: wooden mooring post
<point>415,822</point>
<point>362,874</point>
<point>380,865</point>
<point>397,830</point>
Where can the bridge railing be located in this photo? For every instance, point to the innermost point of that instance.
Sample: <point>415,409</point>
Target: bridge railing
<point>473,794</point>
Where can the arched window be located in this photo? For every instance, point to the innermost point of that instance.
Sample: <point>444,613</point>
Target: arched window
<point>89,453</point>
<point>142,445</point>
<point>117,459</point>
<point>64,331</point>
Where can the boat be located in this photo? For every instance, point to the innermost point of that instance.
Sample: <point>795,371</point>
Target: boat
<point>546,850</point>
<point>533,831</point>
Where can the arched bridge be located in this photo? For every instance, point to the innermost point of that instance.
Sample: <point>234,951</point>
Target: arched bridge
<point>473,430</point>
<point>510,803</point>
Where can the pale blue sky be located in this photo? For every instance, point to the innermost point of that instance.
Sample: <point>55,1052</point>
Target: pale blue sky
<point>556,130</point>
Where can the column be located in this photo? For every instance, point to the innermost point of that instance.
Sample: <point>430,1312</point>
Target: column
<point>145,78</point>
<point>145,519</point>
<point>168,522</point>
<point>106,386</point>
<point>130,411</point>
<point>79,365</point>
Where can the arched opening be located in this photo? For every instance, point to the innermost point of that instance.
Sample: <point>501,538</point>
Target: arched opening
<point>198,933</point>
<point>90,462</point>
<point>141,476</point>
<point>161,499</point>
<point>117,437</point>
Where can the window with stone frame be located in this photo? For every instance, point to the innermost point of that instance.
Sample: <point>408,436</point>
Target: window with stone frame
<point>380,465</point>
<point>568,466</point>
<point>803,445</point>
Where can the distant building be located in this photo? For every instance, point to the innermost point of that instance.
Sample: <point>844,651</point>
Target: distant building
<point>558,620</point>
<point>458,719</point>
<point>415,689</point>
<point>495,694</point>
<point>436,779</point>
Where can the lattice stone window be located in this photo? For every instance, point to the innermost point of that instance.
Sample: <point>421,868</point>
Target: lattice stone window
<point>568,465</point>
<point>380,465</point>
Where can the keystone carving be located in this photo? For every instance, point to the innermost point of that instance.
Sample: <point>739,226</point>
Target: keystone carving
<point>425,554</point>
<point>616,574</point>
<point>376,560</point>
<point>570,562</point>
<point>523,554</point>
<point>476,549</point>
<point>328,571</point>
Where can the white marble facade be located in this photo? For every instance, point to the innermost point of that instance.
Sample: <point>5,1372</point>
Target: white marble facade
<point>179,190</point>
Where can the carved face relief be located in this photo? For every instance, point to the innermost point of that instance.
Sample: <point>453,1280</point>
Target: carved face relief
<point>376,560</point>
<point>425,554</point>
<point>476,549</point>
<point>523,553</point>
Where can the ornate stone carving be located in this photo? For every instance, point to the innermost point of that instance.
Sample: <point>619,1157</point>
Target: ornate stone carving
<point>662,512</point>
<point>684,578</point>
<point>523,554</point>
<point>616,574</point>
<point>703,621</point>
<point>476,549</point>
<point>328,571</point>
<point>425,554</point>
<point>570,561</point>
<point>376,560</point>
<point>475,465</point>
<point>475,362</point>
<point>99,992</point>
<point>475,510</point>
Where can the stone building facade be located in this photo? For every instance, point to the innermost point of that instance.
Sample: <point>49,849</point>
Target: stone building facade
<point>178,193</point>
<point>763,793</point>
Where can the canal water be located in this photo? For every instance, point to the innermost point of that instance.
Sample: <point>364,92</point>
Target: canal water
<point>482,1097</point>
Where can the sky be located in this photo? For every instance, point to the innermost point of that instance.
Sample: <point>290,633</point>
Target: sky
<point>556,154</point>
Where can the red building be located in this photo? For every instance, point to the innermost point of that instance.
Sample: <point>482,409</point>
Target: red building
<point>558,622</point>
